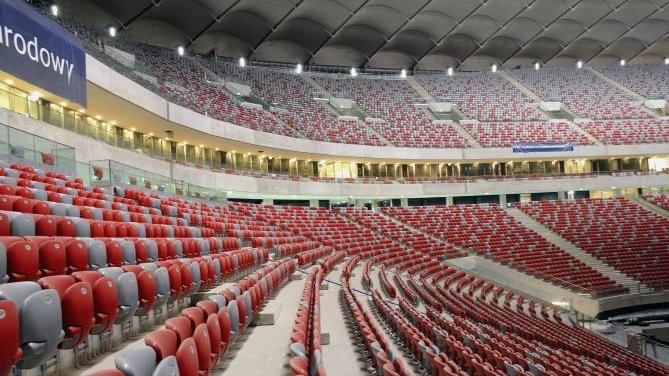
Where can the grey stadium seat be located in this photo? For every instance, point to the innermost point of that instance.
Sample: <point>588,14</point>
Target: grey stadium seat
<point>41,321</point>
<point>167,367</point>
<point>97,253</point>
<point>162,286</point>
<point>21,224</point>
<point>128,294</point>
<point>136,361</point>
<point>234,317</point>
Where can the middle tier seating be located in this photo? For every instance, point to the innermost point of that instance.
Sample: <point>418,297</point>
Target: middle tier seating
<point>491,232</point>
<point>504,134</point>
<point>621,233</point>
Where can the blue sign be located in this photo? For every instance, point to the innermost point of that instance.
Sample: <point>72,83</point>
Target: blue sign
<point>530,147</point>
<point>41,52</point>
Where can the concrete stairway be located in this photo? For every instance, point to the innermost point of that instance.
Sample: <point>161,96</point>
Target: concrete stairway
<point>526,90</point>
<point>633,285</point>
<point>582,131</point>
<point>641,99</point>
<point>462,131</point>
<point>652,207</point>
<point>420,89</point>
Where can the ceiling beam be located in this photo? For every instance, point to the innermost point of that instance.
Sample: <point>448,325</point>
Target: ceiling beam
<point>648,46</point>
<point>215,19</point>
<point>546,27</point>
<point>390,38</point>
<point>352,13</point>
<point>482,44</point>
<point>448,33</point>
<point>278,24</point>
<point>621,36</point>
<point>585,29</point>
<point>154,4</point>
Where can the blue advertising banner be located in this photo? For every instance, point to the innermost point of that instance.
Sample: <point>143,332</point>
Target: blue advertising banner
<point>41,52</point>
<point>531,147</point>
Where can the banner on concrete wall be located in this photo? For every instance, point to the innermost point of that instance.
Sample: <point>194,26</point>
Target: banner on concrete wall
<point>533,147</point>
<point>38,50</point>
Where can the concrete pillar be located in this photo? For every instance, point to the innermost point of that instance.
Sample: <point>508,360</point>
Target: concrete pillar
<point>562,195</point>
<point>618,192</point>
<point>502,200</point>
<point>375,205</point>
<point>525,197</point>
<point>268,201</point>
<point>404,201</point>
<point>313,203</point>
<point>359,203</point>
<point>449,200</point>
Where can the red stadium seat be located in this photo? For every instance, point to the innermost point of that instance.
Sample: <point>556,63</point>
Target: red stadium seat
<point>10,351</point>
<point>76,300</point>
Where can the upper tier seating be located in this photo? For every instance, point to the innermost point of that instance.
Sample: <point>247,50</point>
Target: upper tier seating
<point>294,96</point>
<point>581,91</point>
<point>185,82</point>
<point>619,232</point>
<point>629,131</point>
<point>505,134</point>
<point>649,80</point>
<point>484,96</point>
<point>491,232</point>
<point>394,101</point>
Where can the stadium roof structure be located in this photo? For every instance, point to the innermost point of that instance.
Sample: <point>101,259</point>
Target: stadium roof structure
<point>394,34</point>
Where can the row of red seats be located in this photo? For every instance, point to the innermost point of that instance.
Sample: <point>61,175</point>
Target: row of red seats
<point>193,343</point>
<point>310,256</point>
<point>31,257</point>
<point>307,357</point>
<point>418,342</point>
<point>621,233</point>
<point>375,342</point>
<point>62,311</point>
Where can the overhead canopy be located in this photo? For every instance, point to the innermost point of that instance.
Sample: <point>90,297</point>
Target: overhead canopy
<point>423,34</point>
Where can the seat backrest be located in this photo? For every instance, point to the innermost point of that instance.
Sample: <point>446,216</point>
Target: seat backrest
<point>22,259</point>
<point>214,330</point>
<point>233,311</point>
<point>162,285</point>
<point>4,278</point>
<point>105,299</point>
<point>187,359</point>
<point>195,275</point>
<point>225,325</point>
<point>181,325</point>
<point>128,293</point>
<point>203,346</point>
<point>163,341</point>
<point>10,352</point>
<point>41,321</point>
<point>167,367</point>
<point>136,361</point>
<point>195,315</point>
<point>219,300</point>
<point>97,253</point>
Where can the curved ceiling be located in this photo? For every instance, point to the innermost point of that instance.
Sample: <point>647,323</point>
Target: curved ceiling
<point>421,34</point>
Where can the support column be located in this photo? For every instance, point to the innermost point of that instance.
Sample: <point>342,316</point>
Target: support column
<point>449,200</point>
<point>359,203</point>
<point>502,200</point>
<point>375,205</point>
<point>562,195</point>
<point>404,201</point>
<point>313,203</point>
<point>268,201</point>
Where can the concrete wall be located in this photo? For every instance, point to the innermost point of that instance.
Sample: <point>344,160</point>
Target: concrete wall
<point>548,292</point>
<point>101,75</point>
